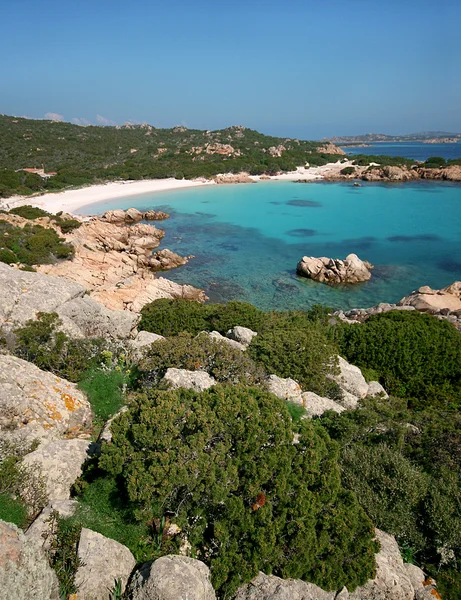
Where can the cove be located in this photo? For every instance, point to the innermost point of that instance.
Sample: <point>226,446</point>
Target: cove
<point>248,238</point>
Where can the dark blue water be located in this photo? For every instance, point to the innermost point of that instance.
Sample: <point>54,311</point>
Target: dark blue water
<point>413,150</point>
<point>247,239</point>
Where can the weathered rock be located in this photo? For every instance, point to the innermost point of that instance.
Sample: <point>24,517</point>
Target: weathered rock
<point>425,299</point>
<point>155,215</point>
<point>41,530</point>
<point>348,400</point>
<point>376,389</point>
<point>215,335</point>
<point>350,379</point>
<point>195,380</point>
<point>114,216</point>
<point>233,178</point>
<point>60,464</point>
<point>24,570</point>
<point>269,587</point>
<point>243,335</point>
<point>164,260</point>
<point>416,576</point>
<point>330,270</point>
<point>103,562</point>
<point>142,341</point>
<point>285,389</point>
<point>133,215</point>
<point>316,405</point>
<point>35,404</point>
<point>106,433</point>
<point>330,148</point>
<point>172,578</point>
<point>392,581</point>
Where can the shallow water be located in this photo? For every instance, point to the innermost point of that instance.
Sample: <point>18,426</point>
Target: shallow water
<point>247,239</point>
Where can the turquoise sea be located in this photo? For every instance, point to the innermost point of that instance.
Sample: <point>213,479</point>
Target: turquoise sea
<point>414,150</point>
<point>247,239</point>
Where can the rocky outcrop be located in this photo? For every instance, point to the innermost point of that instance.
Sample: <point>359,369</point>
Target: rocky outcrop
<point>59,463</point>
<point>164,260</point>
<point>350,379</point>
<point>316,405</point>
<point>231,178</point>
<point>451,173</point>
<point>285,389</point>
<point>41,531</point>
<point>24,569</point>
<point>172,578</point>
<point>334,271</point>
<point>132,215</point>
<point>425,299</point>
<point>142,341</point>
<point>25,294</point>
<point>215,335</point>
<point>35,404</point>
<point>376,389</point>
<point>103,561</point>
<point>182,378</point>
<point>330,148</point>
<point>269,587</point>
<point>242,335</point>
<point>389,173</point>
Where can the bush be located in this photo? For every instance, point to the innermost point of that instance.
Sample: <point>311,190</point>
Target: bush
<point>12,510</point>
<point>435,162</point>
<point>347,171</point>
<point>63,553</point>
<point>416,355</point>
<point>29,212</point>
<point>305,355</point>
<point>68,225</point>
<point>170,317</point>
<point>104,389</point>
<point>223,466</point>
<point>223,362</point>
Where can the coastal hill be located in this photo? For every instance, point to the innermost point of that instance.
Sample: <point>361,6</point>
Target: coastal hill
<point>58,155</point>
<point>425,137</point>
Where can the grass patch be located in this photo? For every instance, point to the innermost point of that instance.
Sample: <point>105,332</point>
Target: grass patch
<point>12,510</point>
<point>296,411</point>
<point>104,390</point>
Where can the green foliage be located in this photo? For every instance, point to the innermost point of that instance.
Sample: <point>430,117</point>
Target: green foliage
<point>29,212</point>
<point>347,171</point>
<point>222,465</point>
<point>170,317</point>
<point>416,355</point>
<point>116,591</point>
<point>63,553</point>
<point>68,225</point>
<point>435,162</point>
<point>104,390</point>
<point>40,341</point>
<point>223,362</point>
<point>363,160</point>
<point>306,355</point>
<point>32,245</point>
<point>297,411</point>
<point>12,510</point>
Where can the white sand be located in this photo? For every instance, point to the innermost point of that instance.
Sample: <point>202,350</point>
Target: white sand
<point>72,200</point>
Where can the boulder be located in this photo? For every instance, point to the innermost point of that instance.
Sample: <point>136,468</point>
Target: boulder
<point>133,215</point>
<point>348,400</point>
<point>164,260</point>
<point>215,335</point>
<point>103,561</point>
<point>316,405</point>
<point>350,379</point>
<point>425,299</point>
<point>335,270</point>
<point>285,389</point>
<point>25,573</point>
<point>35,404</point>
<point>59,463</point>
<point>41,530</point>
<point>155,215</point>
<point>392,581</point>
<point>114,216</point>
<point>269,587</point>
<point>106,433</point>
<point>172,578</point>
<point>243,335</point>
<point>182,378</point>
<point>142,341</point>
<point>376,389</point>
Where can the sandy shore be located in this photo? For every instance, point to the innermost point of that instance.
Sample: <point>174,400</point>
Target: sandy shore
<point>72,200</point>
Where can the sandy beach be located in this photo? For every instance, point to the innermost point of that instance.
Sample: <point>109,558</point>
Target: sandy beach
<point>72,200</point>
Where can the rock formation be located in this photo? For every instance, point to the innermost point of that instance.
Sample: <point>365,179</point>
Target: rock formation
<point>425,299</point>
<point>331,270</point>
<point>182,378</point>
<point>132,215</point>
<point>231,178</point>
<point>330,148</point>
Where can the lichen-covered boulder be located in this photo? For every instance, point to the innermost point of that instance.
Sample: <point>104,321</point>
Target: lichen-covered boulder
<point>25,573</point>
<point>103,561</point>
<point>41,530</point>
<point>243,335</point>
<point>376,389</point>
<point>36,404</point>
<point>316,405</point>
<point>269,587</point>
<point>182,378</point>
<point>285,389</point>
<point>215,335</point>
<point>142,341</point>
<point>350,379</point>
<point>172,578</point>
<point>59,463</point>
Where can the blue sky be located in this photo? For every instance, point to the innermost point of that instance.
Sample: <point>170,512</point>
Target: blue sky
<point>304,69</point>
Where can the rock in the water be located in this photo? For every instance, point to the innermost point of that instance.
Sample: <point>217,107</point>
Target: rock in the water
<point>425,299</point>
<point>316,405</point>
<point>285,389</point>
<point>142,341</point>
<point>182,378</point>
<point>269,587</point>
<point>215,335</point>
<point>164,260</point>
<point>103,562</point>
<point>60,464</point>
<point>133,215</point>
<point>172,578</point>
<point>376,389</point>
<point>350,379</point>
<point>155,215</point>
<point>335,270</point>
<point>243,335</point>
<point>392,581</point>
<point>24,570</point>
<point>35,404</point>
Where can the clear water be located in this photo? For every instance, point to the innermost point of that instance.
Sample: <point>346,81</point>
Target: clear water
<point>247,239</point>
<point>413,150</point>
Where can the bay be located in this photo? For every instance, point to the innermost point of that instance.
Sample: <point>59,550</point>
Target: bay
<point>413,150</point>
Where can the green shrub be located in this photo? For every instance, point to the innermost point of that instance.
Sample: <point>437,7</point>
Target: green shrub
<point>63,553</point>
<point>29,212</point>
<point>347,171</point>
<point>12,510</point>
<point>32,245</point>
<point>223,362</point>
<point>223,466</point>
<point>306,355</point>
<point>435,162</point>
<point>416,355</point>
<point>68,225</point>
<point>8,256</point>
<point>21,488</point>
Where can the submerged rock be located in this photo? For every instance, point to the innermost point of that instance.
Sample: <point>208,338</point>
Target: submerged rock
<point>334,270</point>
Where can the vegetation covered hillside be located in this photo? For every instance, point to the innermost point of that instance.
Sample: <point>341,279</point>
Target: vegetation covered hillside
<point>83,155</point>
